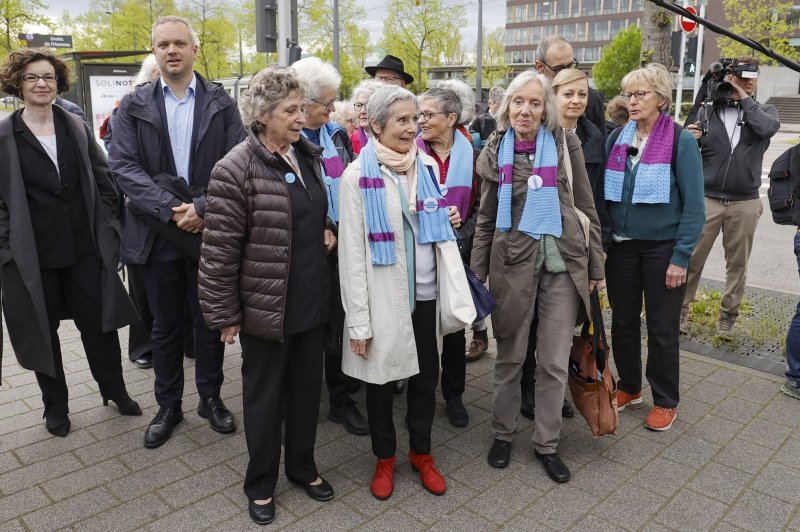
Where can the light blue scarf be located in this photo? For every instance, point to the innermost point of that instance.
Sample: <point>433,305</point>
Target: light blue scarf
<point>434,223</point>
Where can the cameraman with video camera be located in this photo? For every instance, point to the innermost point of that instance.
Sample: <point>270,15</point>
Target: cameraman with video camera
<point>733,131</point>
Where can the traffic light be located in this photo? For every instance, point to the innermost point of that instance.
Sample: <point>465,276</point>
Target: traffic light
<point>267,26</point>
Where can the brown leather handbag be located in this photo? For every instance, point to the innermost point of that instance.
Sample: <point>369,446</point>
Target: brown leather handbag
<point>591,382</point>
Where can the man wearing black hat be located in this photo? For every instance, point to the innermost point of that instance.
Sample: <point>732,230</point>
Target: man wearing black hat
<point>390,71</point>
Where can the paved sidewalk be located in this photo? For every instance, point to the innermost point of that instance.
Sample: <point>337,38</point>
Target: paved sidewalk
<point>729,462</point>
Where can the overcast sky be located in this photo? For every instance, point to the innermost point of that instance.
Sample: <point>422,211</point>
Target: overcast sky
<point>493,15</point>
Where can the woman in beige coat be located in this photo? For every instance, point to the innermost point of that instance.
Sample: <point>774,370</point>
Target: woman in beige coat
<point>531,243</point>
<point>395,241</point>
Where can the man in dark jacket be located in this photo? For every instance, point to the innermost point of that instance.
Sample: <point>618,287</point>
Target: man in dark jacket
<point>739,131</point>
<point>168,135</point>
<point>555,54</point>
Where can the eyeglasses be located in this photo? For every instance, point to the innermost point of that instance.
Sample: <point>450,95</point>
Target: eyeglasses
<point>326,105</point>
<point>389,79</point>
<point>427,115</point>
<point>358,106</point>
<point>559,68</point>
<point>639,95</point>
<point>34,78</point>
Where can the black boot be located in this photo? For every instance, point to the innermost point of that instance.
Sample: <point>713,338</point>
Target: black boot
<point>56,419</point>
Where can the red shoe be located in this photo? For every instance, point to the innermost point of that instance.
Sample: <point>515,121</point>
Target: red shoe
<point>660,418</point>
<point>383,480</point>
<point>625,399</point>
<point>431,478</point>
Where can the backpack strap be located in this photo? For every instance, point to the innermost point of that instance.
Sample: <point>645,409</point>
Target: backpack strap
<point>676,139</point>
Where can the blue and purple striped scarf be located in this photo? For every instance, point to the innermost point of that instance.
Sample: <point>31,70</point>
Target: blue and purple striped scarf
<point>434,223</point>
<point>542,211</point>
<point>653,173</point>
<point>459,172</point>
<point>332,168</point>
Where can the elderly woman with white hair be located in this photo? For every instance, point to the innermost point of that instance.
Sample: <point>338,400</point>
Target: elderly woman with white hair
<point>360,96</point>
<point>263,275</point>
<point>654,192</point>
<point>322,84</point>
<point>541,257</point>
<point>395,232</point>
<point>440,117</point>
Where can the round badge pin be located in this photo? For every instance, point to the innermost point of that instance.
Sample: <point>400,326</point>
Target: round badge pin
<point>430,205</point>
<point>328,180</point>
<point>535,182</point>
<point>443,190</point>
<point>290,178</point>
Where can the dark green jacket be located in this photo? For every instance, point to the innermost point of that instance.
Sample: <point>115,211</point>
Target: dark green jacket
<point>680,220</point>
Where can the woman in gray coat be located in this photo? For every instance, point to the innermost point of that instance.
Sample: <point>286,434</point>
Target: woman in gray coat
<point>59,238</point>
<point>529,226</point>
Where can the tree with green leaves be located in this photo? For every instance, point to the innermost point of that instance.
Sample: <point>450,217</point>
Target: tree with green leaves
<point>656,35</point>
<point>316,30</point>
<point>16,16</point>
<point>420,34</point>
<point>495,67</point>
<point>764,21</point>
<point>620,56</point>
<point>217,36</point>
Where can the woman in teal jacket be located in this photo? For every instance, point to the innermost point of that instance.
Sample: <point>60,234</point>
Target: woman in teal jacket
<point>655,201</point>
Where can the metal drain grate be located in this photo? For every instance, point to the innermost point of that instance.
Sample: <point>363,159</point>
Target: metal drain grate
<point>767,356</point>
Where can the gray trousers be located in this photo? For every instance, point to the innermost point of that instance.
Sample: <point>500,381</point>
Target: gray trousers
<point>558,302</point>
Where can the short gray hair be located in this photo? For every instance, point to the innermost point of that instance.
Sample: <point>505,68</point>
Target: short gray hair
<point>266,90</point>
<point>546,43</point>
<point>447,100</point>
<point>381,103</point>
<point>496,94</point>
<point>366,87</point>
<point>145,72</point>
<point>466,96</point>
<point>172,18</point>
<point>655,75</point>
<point>550,116</point>
<point>317,75</point>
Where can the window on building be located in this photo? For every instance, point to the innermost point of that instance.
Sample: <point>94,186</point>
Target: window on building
<point>590,7</point>
<point>591,54</point>
<point>536,34</point>
<point>509,37</point>
<point>568,31</point>
<point>637,5</point>
<point>521,36</point>
<point>575,10</point>
<point>562,8</point>
<point>509,14</point>
<point>520,13</point>
<point>581,32</point>
<point>610,6</point>
<point>598,31</point>
<point>617,26</point>
<point>544,11</point>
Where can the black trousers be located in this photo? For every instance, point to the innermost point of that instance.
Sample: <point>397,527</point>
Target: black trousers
<point>421,391</point>
<point>140,333</point>
<point>635,267</point>
<point>528,381</point>
<point>339,385</point>
<point>454,364</point>
<point>169,277</point>
<point>271,372</point>
<point>78,289</point>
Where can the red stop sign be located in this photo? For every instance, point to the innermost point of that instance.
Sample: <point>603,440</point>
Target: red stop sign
<point>689,25</point>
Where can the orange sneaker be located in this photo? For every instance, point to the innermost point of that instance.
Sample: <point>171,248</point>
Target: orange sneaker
<point>634,400</point>
<point>431,478</point>
<point>383,480</point>
<point>660,418</point>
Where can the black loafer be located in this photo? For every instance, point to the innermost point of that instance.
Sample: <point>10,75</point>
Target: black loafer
<point>219,417</point>
<point>567,410</point>
<point>160,429</point>
<point>528,405</point>
<point>262,514</point>
<point>319,492</point>
<point>456,412</point>
<point>351,419</point>
<point>144,362</point>
<point>555,468</point>
<point>499,454</point>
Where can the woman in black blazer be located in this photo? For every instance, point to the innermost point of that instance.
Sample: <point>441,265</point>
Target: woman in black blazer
<point>59,238</point>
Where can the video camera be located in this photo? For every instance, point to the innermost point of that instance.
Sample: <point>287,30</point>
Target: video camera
<point>717,90</point>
